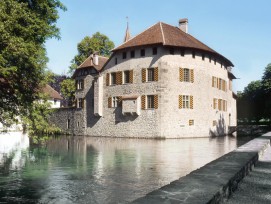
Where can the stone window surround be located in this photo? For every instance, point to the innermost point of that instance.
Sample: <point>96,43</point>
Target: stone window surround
<point>79,84</point>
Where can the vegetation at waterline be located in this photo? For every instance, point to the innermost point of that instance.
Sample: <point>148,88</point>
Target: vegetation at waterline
<point>254,103</point>
<point>25,25</point>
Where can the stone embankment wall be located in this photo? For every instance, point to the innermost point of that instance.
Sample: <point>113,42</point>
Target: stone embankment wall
<point>214,182</point>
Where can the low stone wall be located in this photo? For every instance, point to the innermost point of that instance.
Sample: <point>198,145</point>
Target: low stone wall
<point>214,182</point>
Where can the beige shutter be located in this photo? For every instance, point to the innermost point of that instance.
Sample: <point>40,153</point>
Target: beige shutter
<point>143,72</point>
<point>192,75</point>
<point>119,78</point>
<point>181,74</point>
<point>156,101</point>
<point>219,104</point>
<point>110,102</point>
<point>191,102</point>
<point>213,81</point>
<point>217,82</point>
<point>119,98</point>
<point>180,101</point>
<point>131,76</point>
<point>143,102</point>
<point>214,106</point>
<point>156,74</point>
<point>107,79</point>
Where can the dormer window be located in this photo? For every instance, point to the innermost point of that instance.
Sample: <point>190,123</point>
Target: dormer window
<point>132,54</point>
<point>142,52</point>
<point>80,84</point>
<point>171,51</point>
<point>154,50</point>
<point>124,55</point>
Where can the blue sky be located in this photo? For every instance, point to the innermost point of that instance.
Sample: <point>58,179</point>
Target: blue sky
<point>238,29</point>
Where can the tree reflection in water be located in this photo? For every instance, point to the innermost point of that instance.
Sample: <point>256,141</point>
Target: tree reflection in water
<point>99,170</point>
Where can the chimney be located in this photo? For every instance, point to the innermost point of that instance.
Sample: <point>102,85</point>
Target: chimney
<point>183,25</point>
<point>95,58</point>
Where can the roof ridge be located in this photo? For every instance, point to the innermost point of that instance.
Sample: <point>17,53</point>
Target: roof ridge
<point>164,42</point>
<point>134,36</point>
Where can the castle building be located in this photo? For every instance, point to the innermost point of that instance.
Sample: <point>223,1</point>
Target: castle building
<point>162,83</point>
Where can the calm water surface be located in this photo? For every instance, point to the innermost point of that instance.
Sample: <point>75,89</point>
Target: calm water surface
<point>98,170</point>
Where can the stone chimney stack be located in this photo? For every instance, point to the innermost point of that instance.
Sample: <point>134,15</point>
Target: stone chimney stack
<point>183,24</point>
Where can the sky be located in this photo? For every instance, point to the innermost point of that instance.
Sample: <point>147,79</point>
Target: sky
<point>240,30</point>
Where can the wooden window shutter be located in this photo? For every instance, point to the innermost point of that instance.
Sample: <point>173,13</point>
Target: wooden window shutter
<point>110,102</point>
<point>191,102</point>
<point>131,76</point>
<point>213,81</point>
<point>143,72</point>
<point>214,106</point>
<point>107,79</point>
<point>156,74</point>
<point>192,75</point>
<point>217,82</point>
<point>180,101</point>
<point>226,86</point>
<point>119,101</point>
<point>119,78</point>
<point>143,102</point>
<point>219,104</point>
<point>223,85</point>
<point>155,101</point>
<point>181,74</point>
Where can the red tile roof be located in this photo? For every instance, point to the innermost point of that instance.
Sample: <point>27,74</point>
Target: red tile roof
<point>167,35</point>
<point>53,94</point>
<point>89,63</point>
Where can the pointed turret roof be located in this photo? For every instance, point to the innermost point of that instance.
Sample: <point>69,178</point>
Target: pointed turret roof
<point>127,34</point>
<point>167,35</point>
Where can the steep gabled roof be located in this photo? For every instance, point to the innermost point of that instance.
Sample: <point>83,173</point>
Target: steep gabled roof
<point>88,63</point>
<point>167,35</point>
<point>53,94</point>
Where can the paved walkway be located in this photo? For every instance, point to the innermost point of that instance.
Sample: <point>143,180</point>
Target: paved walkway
<point>256,187</point>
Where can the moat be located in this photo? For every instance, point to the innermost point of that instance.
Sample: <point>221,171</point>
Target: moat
<point>99,170</point>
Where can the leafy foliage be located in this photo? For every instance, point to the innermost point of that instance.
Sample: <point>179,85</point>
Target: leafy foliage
<point>253,104</point>
<point>25,25</point>
<point>97,43</point>
<point>68,90</point>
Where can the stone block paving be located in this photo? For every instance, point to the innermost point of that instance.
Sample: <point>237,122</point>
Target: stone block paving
<point>216,181</point>
<point>256,187</point>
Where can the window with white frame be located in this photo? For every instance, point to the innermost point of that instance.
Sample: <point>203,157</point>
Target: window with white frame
<point>150,74</point>
<point>126,77</point>
<point>80,103</point>
<point>186,101</point>
<point>186,76</point>
<point>80,84</point>
<point>113,78</point>
<point>150,101</point>
<point>114,102</point>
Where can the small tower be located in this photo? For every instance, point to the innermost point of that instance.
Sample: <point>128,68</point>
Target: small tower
<point>127,33</point>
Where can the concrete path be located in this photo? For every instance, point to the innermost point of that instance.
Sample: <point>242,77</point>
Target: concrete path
<point>256,187</point>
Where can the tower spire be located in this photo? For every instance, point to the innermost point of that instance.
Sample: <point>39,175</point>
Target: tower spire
<point>127,33</point>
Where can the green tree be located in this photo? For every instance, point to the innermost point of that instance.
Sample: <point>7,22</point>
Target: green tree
<point>97,43</point>
<point>25,25</point>
<point>266,83</point>
<point>68,90</point>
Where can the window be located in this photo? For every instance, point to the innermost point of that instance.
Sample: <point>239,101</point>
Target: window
<point>171,51</point>
<point>150,101</point>
<point>214,122</point>
<point>186,102</point>
<point>182,52</point>
<point>191,122</point>
<point>203,56</point>
<point>215,61</point>
<point>124,55</point>
<point>215,103</point>
<point>193,54</point>
<point>80,103</point>
<point>77,124</point>
<point>55,100</point>
<point>210,59</point>
<point>154,50</point>
<point>80,84</point>
<point>142,52</point>
<point>230,85</point>
<point>132,54</point>
<point>186,75</point>
<point>150,74</point>
<point>220,84</point>
<point>116,60</point>
<point>114,102</point>
<point>113,78</point>
<point>126,78</point>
